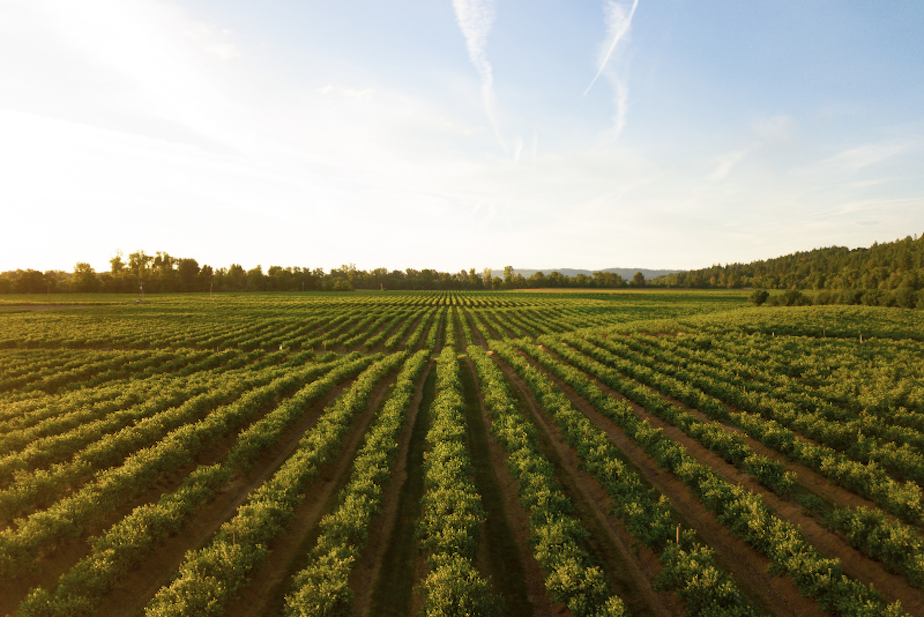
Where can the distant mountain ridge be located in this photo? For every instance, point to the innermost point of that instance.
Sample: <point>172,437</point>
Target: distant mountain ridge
<point>625,273</point>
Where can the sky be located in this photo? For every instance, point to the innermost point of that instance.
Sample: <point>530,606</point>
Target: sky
<point>453,134</point>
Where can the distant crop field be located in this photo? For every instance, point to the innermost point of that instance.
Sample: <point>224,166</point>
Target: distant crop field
<point>459,453</point>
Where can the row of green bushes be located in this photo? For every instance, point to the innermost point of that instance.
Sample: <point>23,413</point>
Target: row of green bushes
<point>571,576</point>
<point>125,546</point>
<point>42,532</point>
<point>210,577</point>
<point>688,567</point>
<point>891,542</point>
<point>904,297</point>
<point>452,515</point>
<point>771,422</point>
<point>745,514</point>
<point>321,589</point>
<point>36,487</point>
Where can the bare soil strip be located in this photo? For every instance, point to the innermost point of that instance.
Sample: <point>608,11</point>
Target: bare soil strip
<point>774,595</point>
<point>366,575</point>
<point>476,331</point>
<point>130,596</point>
<point>492,331</point>
<point>540,603</point>
<point>265,595</point>
<point>810,479</point>
<point>502,324</point>
<point>499,555</point>
<point>631,569</point>
<point>401,564</point>
<point>54,565</point>
<point>440,332</point>
<point>828,543</point>
<point>403,343</point>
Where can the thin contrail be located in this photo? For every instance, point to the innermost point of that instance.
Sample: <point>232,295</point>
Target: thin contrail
<point>618,24</point>
<point>475,18</point>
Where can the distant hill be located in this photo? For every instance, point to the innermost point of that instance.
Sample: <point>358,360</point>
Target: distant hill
<point>886,266</point>
<point>625,273</point>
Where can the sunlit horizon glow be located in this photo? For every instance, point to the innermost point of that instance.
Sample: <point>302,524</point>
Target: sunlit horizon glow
<point>456,134</point>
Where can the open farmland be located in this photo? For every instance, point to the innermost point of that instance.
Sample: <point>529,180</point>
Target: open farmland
<point>392,453</point>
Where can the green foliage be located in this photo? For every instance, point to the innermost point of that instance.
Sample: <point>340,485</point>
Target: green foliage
<point>322,587</point>
<point>759,296</point>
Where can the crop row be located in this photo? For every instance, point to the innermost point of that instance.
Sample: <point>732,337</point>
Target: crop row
<point>452,512</point>
<point>322,587</point>
<point>746,516</point>
<point>34,487</point>
<point>888,541</point>
<point>155,393</point>
<point>123,547</point>
<point>853,431</point>
<point>209,577</point>
<point>688,567</point>
<point>42,532</point>
<point>758,420</point>
<point>571,577</point>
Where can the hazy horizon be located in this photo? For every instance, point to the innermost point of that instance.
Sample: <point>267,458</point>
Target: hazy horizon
<point>457,134</point>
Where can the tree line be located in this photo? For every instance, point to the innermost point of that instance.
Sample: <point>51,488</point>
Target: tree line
<point>889,266</point>
<point>163,273</point>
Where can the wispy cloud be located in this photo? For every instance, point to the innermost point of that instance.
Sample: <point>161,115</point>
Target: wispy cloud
<point>350,93</point>
<point>475,18</point>
<point>726,162</point>
<point>618,17</point>
<point>855,159</point>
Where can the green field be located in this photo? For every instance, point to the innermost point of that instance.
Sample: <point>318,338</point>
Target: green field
<point>633,452</point>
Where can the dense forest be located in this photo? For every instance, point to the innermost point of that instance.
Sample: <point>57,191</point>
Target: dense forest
<point>163,273</point>
<point>888,266</point>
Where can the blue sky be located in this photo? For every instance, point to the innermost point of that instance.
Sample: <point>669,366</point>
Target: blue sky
<point>457,134</point>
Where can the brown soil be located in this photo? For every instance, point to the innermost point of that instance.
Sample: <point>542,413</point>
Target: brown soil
<point>133,592</point>
<point>542,603</point>
<point>441,317</point>
<point>402,344</point>
<point>50,567</point>
<point>492,330</point>
<point>477,335</point>
<point>364,576</point>
<point>631,568</point>
<point>828,543</point>
<point>777,596</point>
<point>267,588</point>
<point>493,320</point>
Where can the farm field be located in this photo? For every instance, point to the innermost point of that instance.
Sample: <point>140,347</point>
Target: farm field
<point>450,453</point>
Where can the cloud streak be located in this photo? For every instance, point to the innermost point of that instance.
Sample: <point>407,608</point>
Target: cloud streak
<point>618,17</point>
<point>475,18</point>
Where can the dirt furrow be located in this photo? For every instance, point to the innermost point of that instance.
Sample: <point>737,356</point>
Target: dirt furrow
<point>777,596</point>
<point>499,555</point>
<point>828,543</point>
<point>476,331</point>
<point>265,594</point>
<point>68,554</point>
<point>541,604</point>
<point>131,594</point>
<point>366,574</point>
<point>402,564</point>
<point>631,568</point>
